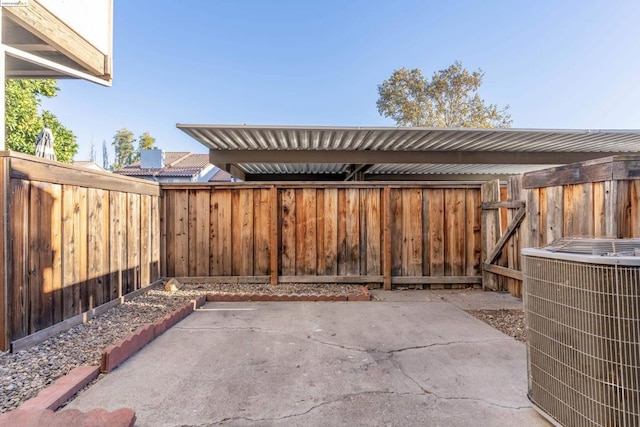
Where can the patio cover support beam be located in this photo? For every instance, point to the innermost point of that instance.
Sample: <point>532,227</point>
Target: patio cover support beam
<point>403,157</point>
<point>357,172</point>
<point>230,168</point>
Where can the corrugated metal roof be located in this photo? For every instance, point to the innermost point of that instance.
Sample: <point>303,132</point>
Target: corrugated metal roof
<point>224,137</point>
<point>334,140</point>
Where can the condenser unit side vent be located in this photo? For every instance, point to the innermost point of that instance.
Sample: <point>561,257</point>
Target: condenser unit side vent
<point>583,319</point>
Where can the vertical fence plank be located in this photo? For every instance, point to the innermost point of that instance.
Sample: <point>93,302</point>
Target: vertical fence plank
<point>242,232</point>
<point>220,241</point>
<point>274,226</point>
<point>412,232</point>
<point>386,238</point>
<point>192,231</point>
<point>473,235</point>
<point>436,231</point>
<point>18,279</point>
<point>156,242</point>
<point>455,232</point>
<point>578,208</point>
<point>288,215</point>
<point>116,244</point>
<point>55,239</point>
<point>352,228</point>
<point>552,213</point>
<point>133,242</point>
<point>634,198</point>
<point>599,210</point>
<point>533,218</point>
<point>181,232</point>
<point>6,285</point>
<point>202,203</point>
<point>611,208</point>
<point>624,209</point>
<point>262,228</point>
<point>330,231</point>
<point>373,232</point>
<point>320,228</point>
<point>514,190</point>
<point>96,247</point>
<point>491,229</point>
<point>396,237</point>
<point>145,240</point>
<point>306,231</point>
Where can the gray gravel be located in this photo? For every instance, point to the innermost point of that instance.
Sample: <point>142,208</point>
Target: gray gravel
<point>510,322</point>
<point>26,372</point>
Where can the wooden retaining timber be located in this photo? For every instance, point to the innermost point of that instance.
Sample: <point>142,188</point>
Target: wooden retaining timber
<point>384,233</point>
<point>72,240</point>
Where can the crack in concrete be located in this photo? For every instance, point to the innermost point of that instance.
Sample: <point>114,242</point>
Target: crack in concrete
<point>313,408</point>
<point>486,402</point>
<point>443,344</point>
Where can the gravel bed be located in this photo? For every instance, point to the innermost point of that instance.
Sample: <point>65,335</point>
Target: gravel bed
<point>510,322</point>
<point>280,289</point>
<point>26,372</point>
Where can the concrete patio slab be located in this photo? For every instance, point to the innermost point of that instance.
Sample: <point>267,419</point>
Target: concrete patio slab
<point>313,363</point>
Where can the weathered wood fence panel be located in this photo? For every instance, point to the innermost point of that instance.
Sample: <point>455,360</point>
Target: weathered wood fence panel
<point>73,239</point>
<point>599,198</point>
<point>324,232</point>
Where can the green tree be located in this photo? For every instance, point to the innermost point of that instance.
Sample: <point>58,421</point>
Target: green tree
<point>145,142</point>
<point>23,122</point>
<point>123,143</point>
<point>449,100</point>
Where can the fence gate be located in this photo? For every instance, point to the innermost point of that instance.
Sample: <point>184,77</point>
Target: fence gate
<point>503,212</point>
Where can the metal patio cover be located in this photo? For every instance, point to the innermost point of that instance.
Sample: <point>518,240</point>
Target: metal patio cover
<point>259,153</point>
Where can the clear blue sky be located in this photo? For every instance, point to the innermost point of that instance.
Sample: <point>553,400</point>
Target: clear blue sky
<point>569,64</point>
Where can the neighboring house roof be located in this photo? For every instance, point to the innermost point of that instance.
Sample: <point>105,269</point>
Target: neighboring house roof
<point>88,164</point>
<point>382,153</point>
<point>221,176</point>
<point>177,164</point>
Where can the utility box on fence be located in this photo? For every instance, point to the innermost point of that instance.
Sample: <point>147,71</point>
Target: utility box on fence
<point>582,305</point>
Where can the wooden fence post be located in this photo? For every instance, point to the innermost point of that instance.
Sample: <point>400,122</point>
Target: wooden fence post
<point>5,334</point>
<point>490,229</point>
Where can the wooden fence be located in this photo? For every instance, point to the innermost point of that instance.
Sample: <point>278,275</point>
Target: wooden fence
<point>599,198</point>
<point>400,234</point>
<point>72,239</point>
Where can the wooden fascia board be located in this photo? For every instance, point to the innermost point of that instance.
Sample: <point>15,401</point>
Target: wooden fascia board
<point>36,19</point>
<point>401,157</point>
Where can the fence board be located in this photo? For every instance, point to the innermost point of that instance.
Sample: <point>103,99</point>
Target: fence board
<point>412,232</point>
<point>455,232</point>
<point>242,232</point>
<point>473,237</point>
<point>18,266</point>
<point>288,246</point>
<point>330,232</point>
<point>578,208</point>
<point>180,207</point>
<point>133,242</point>
<point>306,240</point>
<point>492,229</point>
<point>352,231</point>
<point>145,239</point>
<point>98,245</point>
<point>373,232</point>
<point>262,229</point>
<point>116,243</point>
<point>436,223</point>
<point>220,226</point>
<point>396,236</point>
